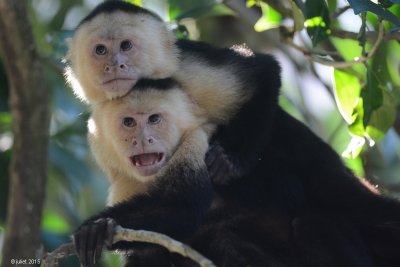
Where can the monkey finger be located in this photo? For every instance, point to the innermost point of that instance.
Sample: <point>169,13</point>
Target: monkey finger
<point>77,243</point>
<point>110,231</point>
<point>91,244</point>
<point>101,236</point>
<point>80,241</point>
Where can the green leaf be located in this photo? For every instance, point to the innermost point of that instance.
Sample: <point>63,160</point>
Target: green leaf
<point>350,49</point>
<point>357,131</point>
<point>357,127</point>
<point>393,62</point>
<point>354,148</point>
<point>380,62</point>
<point>366,5</point>
<point>55,223</point>
<point>347,92</point>
<point>356,165</point>
<point>382,118</point>
<point>179,10</point>
<point>136,2</point>
<point>251,3</point>
<point>317,20</point>
<point>371,95</point>
<point>270,18</point>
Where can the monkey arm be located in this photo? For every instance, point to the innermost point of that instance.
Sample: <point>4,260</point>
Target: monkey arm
<point>244,87</point>
<point>174,205</point>
<point>238,145</point>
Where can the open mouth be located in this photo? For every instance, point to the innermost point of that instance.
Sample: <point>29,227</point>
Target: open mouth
<point>147,159</point>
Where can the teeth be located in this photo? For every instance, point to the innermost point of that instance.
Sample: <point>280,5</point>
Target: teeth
<point>146,159</point>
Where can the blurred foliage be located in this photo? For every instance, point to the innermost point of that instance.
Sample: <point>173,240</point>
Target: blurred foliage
<point>363,81</point>
<point>365,61</point>
<point>366,70</point>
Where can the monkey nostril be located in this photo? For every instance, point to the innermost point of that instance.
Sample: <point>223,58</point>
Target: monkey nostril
<point>122,66</point>
<point>134,142</point>
<point>107,69</point>
<point>151,140</point>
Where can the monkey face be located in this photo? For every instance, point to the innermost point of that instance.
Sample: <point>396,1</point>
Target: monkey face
<point>144,141</point>
<point>110,52</point>
<point>144,138</point>
<point>113,64</point>
<point>137,135</point>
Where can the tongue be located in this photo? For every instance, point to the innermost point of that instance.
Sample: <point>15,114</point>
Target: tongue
<point>146,159</point>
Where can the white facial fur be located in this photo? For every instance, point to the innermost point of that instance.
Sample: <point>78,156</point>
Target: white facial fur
<point>116,141</point>
<point>98,77</point>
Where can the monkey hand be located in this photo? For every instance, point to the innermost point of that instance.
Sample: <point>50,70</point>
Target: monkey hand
<point>90,238</point>
<point>221,169</point>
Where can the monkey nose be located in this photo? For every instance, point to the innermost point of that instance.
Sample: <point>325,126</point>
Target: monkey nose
<point>107,69</point>
<point>111,69</point>
<point>144,142</point>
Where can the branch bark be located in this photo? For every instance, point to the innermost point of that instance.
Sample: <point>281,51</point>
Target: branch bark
<point>29,99</point>
<point>124,234</point>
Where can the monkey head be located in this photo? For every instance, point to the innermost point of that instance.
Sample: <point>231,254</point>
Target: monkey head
<point>111,50</point>
<point>137,134</point>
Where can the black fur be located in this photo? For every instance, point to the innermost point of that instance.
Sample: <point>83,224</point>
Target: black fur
<point>157,84</point>
<point>260,76</point>
<point>289,175</point>
<point>290,200</point>
<point>116,5</point>
<point>282,196</point>
<point>184,191</point>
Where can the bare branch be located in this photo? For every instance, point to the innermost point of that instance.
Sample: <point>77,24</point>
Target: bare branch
<point>63,251</point>
<point>123,234</point>
<point>340,11</point>
<point>315,55</point>
<point>371,36</point>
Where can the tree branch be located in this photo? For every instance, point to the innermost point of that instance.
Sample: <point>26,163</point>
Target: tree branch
<point>314,55</point>
<point>123,234</point>
<point>29,98</point>
<point>371,36</point>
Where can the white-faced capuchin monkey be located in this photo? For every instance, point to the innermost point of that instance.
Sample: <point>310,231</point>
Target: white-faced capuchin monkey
<point>152,145</point>
<point>292,202</point>
<point>119,43</point>
<point>136,136</point>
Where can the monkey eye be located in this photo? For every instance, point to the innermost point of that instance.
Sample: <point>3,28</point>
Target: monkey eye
<point>154,119</point>
<point>129,122</point>
<point>126,45</point>
<point>101,49</point>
